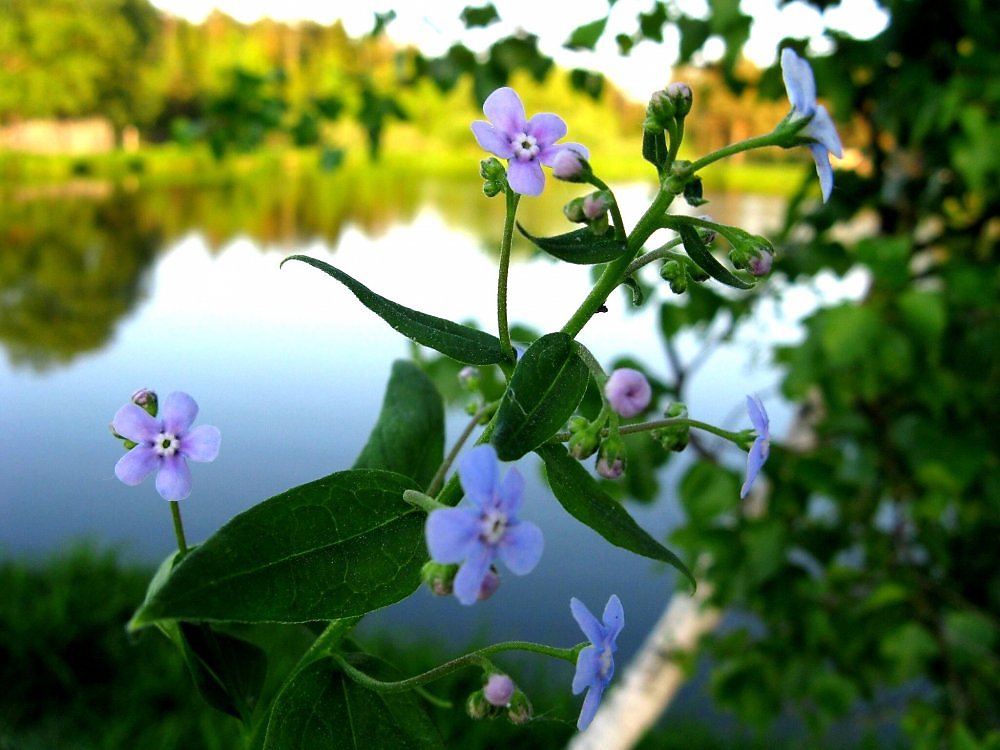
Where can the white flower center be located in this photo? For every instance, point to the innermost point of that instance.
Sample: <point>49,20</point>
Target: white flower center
<point>166,444</point>
<point>606,661</point>
<point>525,146</point>
<point>493,525</point>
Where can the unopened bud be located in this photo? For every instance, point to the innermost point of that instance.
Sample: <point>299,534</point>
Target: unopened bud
<point>673,437</point>
<point>611,458</point>
<point>680,94</point>
<point>490,584</point>
<point>707,233</point>
<point>659,112</point>
<point>477,707</point>
<point>596,204</point>
<point>438,577</point>
<point>492,188</point>
<point>146,399</point>
<point>671,270</point>
<point>499,689</point>
<point>520,711</point>
<point>740,257</point>
<point>760,263</point>
<point>492,169</point>
<point>583,443</point>
<point>571,166</point>
<point>574,211</point>
<point>468,378</point>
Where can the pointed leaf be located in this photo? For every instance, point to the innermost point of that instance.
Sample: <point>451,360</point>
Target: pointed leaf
<point>468,345</point>
<point>337,547</point>
<point>409,435</point>
<point>654,148</point>
<point>699,253</point>
<point>582,497</point>
<point>323,708</point>
<point>581,246</point>
<point>546,388</point>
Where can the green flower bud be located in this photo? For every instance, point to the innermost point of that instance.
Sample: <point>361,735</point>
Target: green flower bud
<point>673,437</point>
<point>477,707</point>
<point>681,96</point>
<point>146,399</point>
<point>671,270</point>
<point>740,257</point>
<point>659,112</point>
<point>584,441</point>
<point>611,458</point>
<point>679,285</point>
<point>574,211</point>
<point>492,169</point>
<point>438,577</point>
<point>492,188</point>
<point>520,710</point>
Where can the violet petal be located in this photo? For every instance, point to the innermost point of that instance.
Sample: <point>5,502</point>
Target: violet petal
<point>201,443</point>
<point>173,481</point>
<point>178,412</point>
<point>504,109</point>
<point>452,534</point>
<point>525,177</point>
<point>492,140</point>
<point>521,547</point>
<point>136,424</point>
<point>137,464</point>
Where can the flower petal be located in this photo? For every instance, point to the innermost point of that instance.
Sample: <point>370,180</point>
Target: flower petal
<point>477,471</point>
<point>823,169</point>
<point>504,109</point>
<point>470,576</point>
<point>587,622</point>
<point>525,177</point>
<point>799,81</point>
<point>178,412</point>
<point>588,669</point>
<point>521,547</point>
<point>201,443</point>
<point>492,140</point>
<point>510,494</point>
<point>173,481</point>
<point>136,424</point>
<point>758,417</point>
<point>821,128</point>
<point>547,155</point>
<point>547,128</point>
<point>755,460</point>
<point>137,464</point>
<point>590,705</point>
<point>614,621</point>
<point>452,534</point>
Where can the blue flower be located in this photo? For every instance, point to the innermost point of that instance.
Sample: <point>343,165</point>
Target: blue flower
<point>595,664</point>
<point>761,445</point>
<point>476,536</point>
<point>801,88</point>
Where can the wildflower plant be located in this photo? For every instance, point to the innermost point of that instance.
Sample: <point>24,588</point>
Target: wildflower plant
<point>328,552</point>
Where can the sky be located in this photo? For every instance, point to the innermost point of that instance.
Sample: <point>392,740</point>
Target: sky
<point>433,27</point>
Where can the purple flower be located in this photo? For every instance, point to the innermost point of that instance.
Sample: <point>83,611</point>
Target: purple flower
<point>628,391</point>
<point>164,444</point>
<point>499,689</point>
<point>801,88</point>
<point>761,445</point>
<point>476,536</point>
<point>526,144</point>
<point>595,664</point>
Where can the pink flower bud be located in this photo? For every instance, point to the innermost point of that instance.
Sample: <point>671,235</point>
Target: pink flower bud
<point>612,470</point>
<point>595,205</point>
<point>499,689</point>
<point>760,264</point>
<point>628,391</point>
<point>569,165</point>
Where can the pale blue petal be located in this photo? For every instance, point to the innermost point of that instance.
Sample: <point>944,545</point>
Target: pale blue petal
<point>521,547</point>
<point>614,621</point>
<point>755,460</point>
<point>504,109</point>
<point>201,443</point>
<point>134,423</point>
<point>588,669</point>
<point>173,481</point>
<point>525,177</point>
<point>823,169</point>
<point>471,575</point>
<point>477,471</point>
<point>822,129</point>
<point>452,534</point>
<point>510,494</point>
<point>799,82</point>
<point>547,128</point>
<point>137,464</point>
<point>178,412</point>
<point>492,140</point>
<point>758,416</point>
<point>587,622</point>
<point>590,704</point>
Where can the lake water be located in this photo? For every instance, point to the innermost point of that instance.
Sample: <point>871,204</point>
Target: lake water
<point>105,291</point>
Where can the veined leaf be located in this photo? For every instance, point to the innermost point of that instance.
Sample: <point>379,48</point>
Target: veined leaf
<point>323,708</point>
<point>462,343</point>
<point>654,148</point>
<point>337,547</point>
<point>547,385</point>
<point>582,497</point>
<point>580,246</point>
<point>409,435</point>
<point>699,253</point>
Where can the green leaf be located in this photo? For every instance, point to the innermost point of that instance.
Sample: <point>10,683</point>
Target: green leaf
<point>484,16</point>
<point>654,148</point>
<point>699,253</point>
<point>586,36</point>
<point>468,345</point>
<point>337,547</point>
<point>323,708</point>
<point>580,246</point>
<point>582,497</point>
<point>409,435</point>
<point>546,388</point>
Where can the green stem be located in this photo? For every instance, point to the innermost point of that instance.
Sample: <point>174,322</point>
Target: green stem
<point>477,658</point>
<point>629,429</point>
<point>615,271</point>
<point>435,486</point>
<point>664,251</point>
<point>760,141</point>
<point>175,512</point>
<point>508,235</point>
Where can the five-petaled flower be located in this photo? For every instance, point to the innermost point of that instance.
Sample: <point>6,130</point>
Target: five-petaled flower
<point>595,665</point>
<point>801,88</point>
<point>761,445</point>
<point>165,444</point>
<point>476,536</point>
<point>526,144</point>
